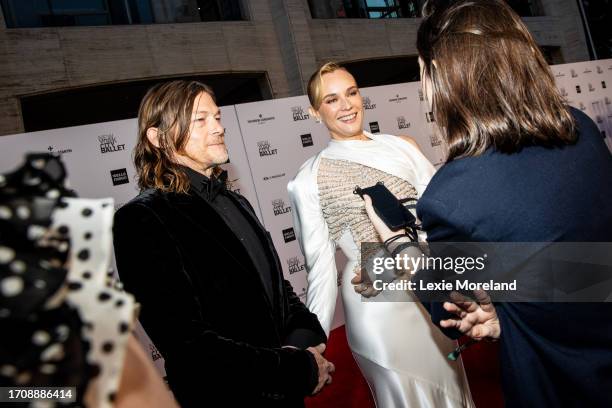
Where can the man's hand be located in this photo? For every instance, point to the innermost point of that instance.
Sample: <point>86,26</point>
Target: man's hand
<point>326,368</point>
<point>477,320</point>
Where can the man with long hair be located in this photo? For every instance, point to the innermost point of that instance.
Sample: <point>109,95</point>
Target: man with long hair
<point>194,254</point>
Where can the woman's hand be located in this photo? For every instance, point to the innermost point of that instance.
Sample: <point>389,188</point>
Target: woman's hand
<point>477,320</point>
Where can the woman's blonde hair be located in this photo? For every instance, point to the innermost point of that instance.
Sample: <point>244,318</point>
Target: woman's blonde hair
<point>490,82</point>
<point>316,83</point>
<point>168,108</point>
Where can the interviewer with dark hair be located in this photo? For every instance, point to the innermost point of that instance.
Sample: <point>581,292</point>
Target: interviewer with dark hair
<point>522,166</point>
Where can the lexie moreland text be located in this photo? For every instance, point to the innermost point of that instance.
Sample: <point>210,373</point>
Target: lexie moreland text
<point>444,285</point>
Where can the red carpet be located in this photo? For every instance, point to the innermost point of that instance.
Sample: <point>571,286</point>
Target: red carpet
<point>350,390</point>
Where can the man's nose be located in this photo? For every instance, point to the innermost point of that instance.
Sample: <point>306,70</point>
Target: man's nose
<point>217,128</point>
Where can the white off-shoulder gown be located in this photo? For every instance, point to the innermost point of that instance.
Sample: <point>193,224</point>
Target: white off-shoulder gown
<point>400,352</point>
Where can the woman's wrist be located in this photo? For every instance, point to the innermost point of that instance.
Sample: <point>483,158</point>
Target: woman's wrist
<point>394,239</point>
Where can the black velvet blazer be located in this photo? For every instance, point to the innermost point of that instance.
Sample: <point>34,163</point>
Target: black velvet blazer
<point>205,306</point>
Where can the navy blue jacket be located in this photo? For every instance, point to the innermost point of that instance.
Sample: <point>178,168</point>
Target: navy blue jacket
<point>551,354</point>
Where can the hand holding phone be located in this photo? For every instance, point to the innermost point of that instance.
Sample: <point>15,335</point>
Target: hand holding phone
<point>387,207</point>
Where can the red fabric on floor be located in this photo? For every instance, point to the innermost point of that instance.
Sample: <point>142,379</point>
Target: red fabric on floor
<point>350,390</point>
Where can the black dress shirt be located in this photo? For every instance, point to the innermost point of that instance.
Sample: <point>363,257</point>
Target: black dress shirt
<point>213,191</point>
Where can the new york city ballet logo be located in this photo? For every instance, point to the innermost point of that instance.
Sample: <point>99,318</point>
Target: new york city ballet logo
<point>278,206</point>
<point>306,140</point>
<point>434,140</point>
<point>265,149</point>
<point>299,114</point>
<point>288,235</point>
<point>119,176</point>
<point>398,98</point>
<point>295,265</point>
<point>402,123</point>
<point>367,103</point>
<point>260,120</point>
<point>155,355</point>
<point>108,144</point>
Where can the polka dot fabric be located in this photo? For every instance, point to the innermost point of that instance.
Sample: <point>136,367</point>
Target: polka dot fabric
<point>94,290</point>
<point>60,325</point>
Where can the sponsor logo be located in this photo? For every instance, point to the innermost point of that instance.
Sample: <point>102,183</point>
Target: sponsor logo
<point>578,89</point>
<point>266,178</point>
<point>108,144</point>
<point>52,149</point>
<point>374,128</point>
<point>367,103</point>
<point>306,140</point>
<point>434,140</point>
<point>288,235</point>
<point>591,87</point>
<point>402,123</point>
<point>603,84</point>
<point>261,119</point>
<point>265,149</point>
<point>295,265</point>
<point>398,98</point>
<point>278,206</point>
<point>298,113</point>
<point>599,70</point>
<point>574,74</point>
<point>119,176</point>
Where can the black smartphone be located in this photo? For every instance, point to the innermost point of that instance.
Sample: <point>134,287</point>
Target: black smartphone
<point>387,206</point>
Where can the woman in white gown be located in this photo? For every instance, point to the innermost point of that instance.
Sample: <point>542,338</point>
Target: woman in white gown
<point>401,353</point>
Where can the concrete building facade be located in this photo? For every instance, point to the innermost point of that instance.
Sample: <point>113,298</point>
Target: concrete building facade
<point>278,38</point>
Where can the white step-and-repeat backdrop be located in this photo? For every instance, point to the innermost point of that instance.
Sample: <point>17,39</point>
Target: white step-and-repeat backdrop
<point>268,141</point>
